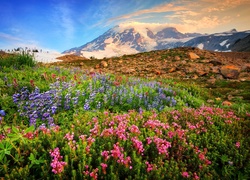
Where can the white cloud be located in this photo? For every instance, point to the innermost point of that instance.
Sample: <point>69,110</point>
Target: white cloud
<point>204,16</point>
<point>63,18</point>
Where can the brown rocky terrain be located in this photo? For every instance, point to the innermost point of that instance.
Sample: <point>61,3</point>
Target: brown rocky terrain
<point>182,63</point>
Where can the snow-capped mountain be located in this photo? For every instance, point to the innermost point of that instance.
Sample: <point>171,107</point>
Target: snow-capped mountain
<point>218,41</point>
<point>129,40</point>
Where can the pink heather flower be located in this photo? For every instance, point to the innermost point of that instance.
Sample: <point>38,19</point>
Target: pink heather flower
<point>185,174</point>
<point>150,167</point>
<point>57,165</point>
<point>116,152</point>
<point>104,167</point>
<point>170,134</point>
<point>94,174</point>
<point>207,162</point>
<point>202,156</point>
<point>196,177</point>
<point>162,145</point>
<point>149,140</point>
<point>134,129</point>
<point>1,137</point>
<point>55,128</point>
<point>95,130</point>
<point>90,140</point>
<point>138,145</point>
<point>69,136</point>
<point>107,132</point>
<point>105,154</point>
<point>105,113</point>
<point>237,144</point>
<point>83,137</point>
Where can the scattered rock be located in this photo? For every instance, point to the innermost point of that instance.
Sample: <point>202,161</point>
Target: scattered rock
<point>215,70</point>
<point>226,103</point>
<point>91,71</point>
<point>129,71</point>
<point>219,76</point>
<point>173,69</point>
<point>193,56</point>
<point>183,62</point>
<point>195,76</point>
<point>230,71</point>
<point>97,66</point>
<point>211,80</point>
<point>229,97</point>
<point>177,58</point>
<point>215,62</point>
<point>246,67</point>
<point>157,72</point>
<point>104,64</point>
<point>201,72</point>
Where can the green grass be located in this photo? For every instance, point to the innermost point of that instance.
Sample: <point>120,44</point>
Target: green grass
<point>17,60</point>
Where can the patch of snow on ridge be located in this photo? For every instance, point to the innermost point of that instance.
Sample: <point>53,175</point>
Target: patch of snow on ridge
<point>47,57</point>
<point>109,40</point>
<point>221,34</point>
<point>228,45</point>
<point>111,50</point>
<point>200,46</point>
<point>223,42</point>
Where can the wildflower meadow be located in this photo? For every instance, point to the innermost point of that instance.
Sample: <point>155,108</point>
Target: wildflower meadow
<point>66,123</point>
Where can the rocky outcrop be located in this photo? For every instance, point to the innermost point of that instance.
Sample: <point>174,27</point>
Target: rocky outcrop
<point>230,71</point>
<point>192,55</point>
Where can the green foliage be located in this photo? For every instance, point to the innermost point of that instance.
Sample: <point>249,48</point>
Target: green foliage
<point>189,140</point>
<point>17,60</point>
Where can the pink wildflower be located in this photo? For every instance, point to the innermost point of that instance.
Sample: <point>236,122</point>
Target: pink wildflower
<point>138,145</point>
<point>69,136</point>
<point>105,154</point>
<point>170,134</point>
<point>94,174</point>
<point>134,129</point>
<point>1,137</point>
<point>149,140</point>
<point>237,144</point>
<point>56,164</point>
<point>104,167</point>
<point>185,174</point>
<point>150,167</point>
<point>196,177</point>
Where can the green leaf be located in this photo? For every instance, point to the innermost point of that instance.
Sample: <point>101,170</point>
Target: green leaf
<point>224,158</point>
<point>30,129</point>
<point>15,130</point>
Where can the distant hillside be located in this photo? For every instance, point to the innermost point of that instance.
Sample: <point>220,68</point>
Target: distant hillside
<point>242,45</point>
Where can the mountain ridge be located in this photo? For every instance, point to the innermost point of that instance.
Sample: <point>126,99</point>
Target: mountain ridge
<point>122,40</point>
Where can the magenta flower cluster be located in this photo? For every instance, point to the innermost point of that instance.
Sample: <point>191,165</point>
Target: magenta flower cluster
<point>57,164</point>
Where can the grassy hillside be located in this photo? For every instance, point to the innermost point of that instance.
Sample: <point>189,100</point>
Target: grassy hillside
<point>63,121</point>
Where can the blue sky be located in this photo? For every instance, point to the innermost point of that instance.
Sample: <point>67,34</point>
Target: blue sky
<point>63,24</point>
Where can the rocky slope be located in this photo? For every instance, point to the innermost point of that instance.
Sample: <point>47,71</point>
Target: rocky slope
<point>182,63</point>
